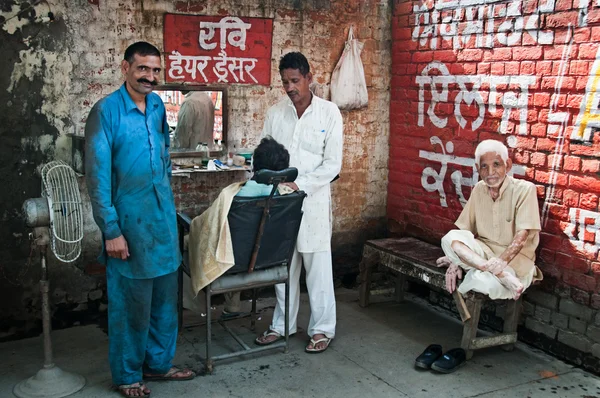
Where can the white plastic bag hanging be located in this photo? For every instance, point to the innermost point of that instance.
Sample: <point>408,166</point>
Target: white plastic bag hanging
<point>348,85</point>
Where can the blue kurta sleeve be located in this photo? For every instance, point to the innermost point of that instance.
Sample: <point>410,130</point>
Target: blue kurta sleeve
<point>98,164</point>
<point>167,144</point>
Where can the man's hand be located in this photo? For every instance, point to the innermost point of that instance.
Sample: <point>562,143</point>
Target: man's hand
<point>292,185</point>
<point>495,265</point>
<point>453,273</point>
<point>117,248</point>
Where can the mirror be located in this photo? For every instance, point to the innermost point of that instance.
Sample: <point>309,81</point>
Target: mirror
<point>196,114</point>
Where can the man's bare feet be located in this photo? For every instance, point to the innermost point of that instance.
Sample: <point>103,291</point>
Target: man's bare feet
<point>512,283</point>
<point>443,262</point>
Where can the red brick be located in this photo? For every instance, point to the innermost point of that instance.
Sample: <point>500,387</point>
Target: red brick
<point>527,68</point>
<point>527,53</point>
<point>541,99</point>
<point>588,50</point>
<point>570,198</point>
<point>562,19</point>
<point>559,100</point>
<point>445,56</point>
<point>470,55</point>
<point>498,54</point>
<point>422,56</point>
<point>558,212</point>
<point>593,16</point>
<point>521,156</point>
<point>557,51</point>
<point>525,142</point>
<point>403,8</point>
<point>538,130</point>
<point>543,177</point>
<point>581,83</point>
<point>588,201</point>
<point>590,166</point>
<point>543,68</point>
<point>538,159</point>
<point>563,5</point>
<point>511,68</point>
<point>595,34</point>
<point>571,262</point>
<point>584,150</point>
<point>483,68</point>
<point>574,101</point>
<point>580,281</point>
<point>579,68</point>
<point>497,68</point>
<point>546,144</point>
<point>589,184</point>
<point>540,191</point>
<point>582,35</point>
<point>551,83</point>
<point>572,163</point>
<point>555,161</point>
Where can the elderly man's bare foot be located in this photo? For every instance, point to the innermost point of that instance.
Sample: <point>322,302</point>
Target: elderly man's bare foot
<point>443,262</point>
<point>512,283</point>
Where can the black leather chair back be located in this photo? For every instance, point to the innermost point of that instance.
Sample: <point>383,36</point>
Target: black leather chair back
<point>279,235</point>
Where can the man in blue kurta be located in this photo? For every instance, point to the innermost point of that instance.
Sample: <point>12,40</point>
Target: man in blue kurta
<point>128,171</point>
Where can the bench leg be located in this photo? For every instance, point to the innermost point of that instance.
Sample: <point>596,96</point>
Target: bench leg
<point>470,326</point>
<point>366,269</point>
<point>400,280</point>
<point>511,320</point>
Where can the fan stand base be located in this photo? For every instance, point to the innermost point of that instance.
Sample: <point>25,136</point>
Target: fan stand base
<point>49,383</point>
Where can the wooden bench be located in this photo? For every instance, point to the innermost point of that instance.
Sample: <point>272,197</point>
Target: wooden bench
<point>410,257</point>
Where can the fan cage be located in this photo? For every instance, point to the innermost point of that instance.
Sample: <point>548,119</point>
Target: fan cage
<point>60,188</point>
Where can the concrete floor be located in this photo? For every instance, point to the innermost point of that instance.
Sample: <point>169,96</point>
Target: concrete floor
<point>371,356</point>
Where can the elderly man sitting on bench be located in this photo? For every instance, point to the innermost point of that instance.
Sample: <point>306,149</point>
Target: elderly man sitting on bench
<point>498,231</point>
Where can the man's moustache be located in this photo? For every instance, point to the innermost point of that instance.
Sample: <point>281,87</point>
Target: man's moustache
<point>154,83</point>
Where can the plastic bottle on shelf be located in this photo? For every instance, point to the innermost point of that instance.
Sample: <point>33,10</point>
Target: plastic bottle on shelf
<point>204,153</point>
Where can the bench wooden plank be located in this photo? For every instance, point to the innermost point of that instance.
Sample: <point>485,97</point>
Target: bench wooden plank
<point>493,341</point>
<point>415,258</point>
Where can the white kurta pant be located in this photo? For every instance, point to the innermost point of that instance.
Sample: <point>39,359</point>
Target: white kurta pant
<point>319,282</point>
<point>476,280</point>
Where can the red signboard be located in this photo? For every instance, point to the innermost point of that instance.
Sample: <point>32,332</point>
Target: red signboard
<point>217,50</point>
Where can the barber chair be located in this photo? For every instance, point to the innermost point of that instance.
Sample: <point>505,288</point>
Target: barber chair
<point>263,232</point>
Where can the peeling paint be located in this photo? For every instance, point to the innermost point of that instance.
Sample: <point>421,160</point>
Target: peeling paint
<point>13,21</point>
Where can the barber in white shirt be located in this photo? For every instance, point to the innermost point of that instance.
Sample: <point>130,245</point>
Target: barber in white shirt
<point>311,130</point>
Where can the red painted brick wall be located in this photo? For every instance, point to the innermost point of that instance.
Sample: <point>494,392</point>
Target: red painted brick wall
<point>525,73</point>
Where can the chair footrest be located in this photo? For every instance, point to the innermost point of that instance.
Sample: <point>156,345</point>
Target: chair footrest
<point>242,281</point>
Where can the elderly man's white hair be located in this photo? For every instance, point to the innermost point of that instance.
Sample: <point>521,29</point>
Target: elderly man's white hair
<point>493,146</point>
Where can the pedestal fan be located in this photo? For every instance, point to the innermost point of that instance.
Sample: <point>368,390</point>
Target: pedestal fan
<point>57,220</point>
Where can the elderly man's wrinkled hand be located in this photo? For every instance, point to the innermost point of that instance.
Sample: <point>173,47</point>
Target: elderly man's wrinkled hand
<point>453,273</point>
<point>495,265</point>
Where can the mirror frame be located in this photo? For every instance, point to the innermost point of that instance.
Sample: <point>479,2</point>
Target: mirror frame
<point>224,104</point>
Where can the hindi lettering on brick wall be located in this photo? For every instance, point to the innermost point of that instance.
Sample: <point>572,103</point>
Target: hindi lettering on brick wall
<point>516,99</point>
<point>218,50</point>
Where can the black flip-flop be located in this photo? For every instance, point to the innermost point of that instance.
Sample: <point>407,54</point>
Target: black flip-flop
<point>429,356</point>
<point>450,361</point>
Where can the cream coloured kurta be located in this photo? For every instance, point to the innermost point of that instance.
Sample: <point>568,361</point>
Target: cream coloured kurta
<point>495,223</point>
<point>314,142</point>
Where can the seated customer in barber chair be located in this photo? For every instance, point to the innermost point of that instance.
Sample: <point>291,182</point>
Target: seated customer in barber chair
<point>210,241</point>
